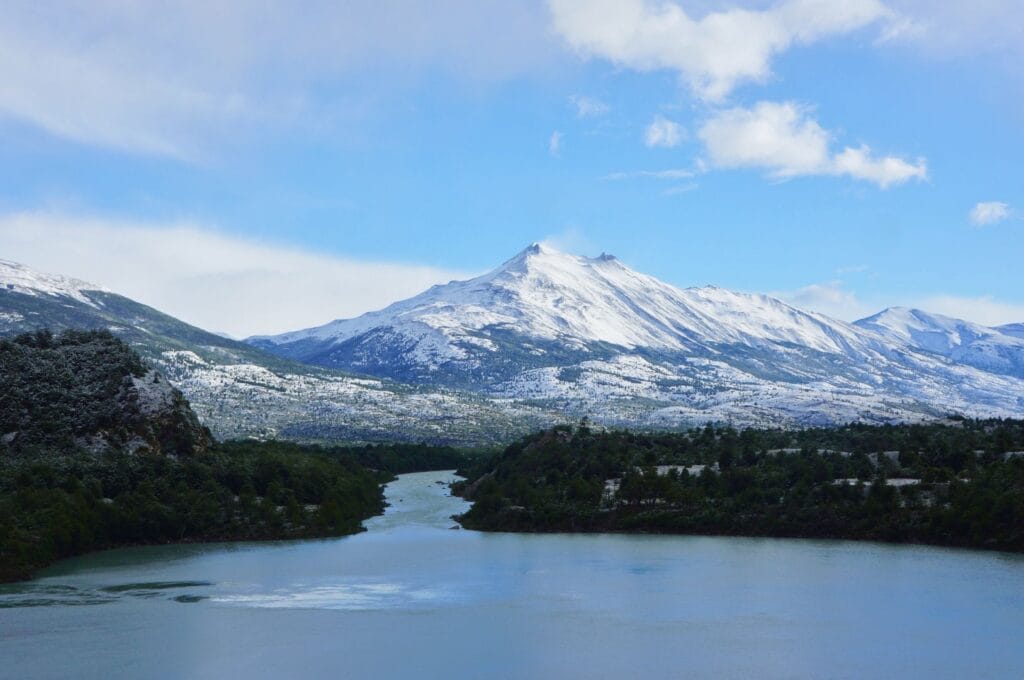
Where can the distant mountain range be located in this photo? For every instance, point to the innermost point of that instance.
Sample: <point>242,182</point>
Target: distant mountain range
<point>240,391</point>
<point>549,336</point>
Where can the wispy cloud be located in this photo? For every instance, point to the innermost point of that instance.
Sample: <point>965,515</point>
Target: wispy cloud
<point>679,189</point>
<point>959,28</point>
<point>555,143</point>
<point>570,240</point>
<point>588,107</point>
<point>258,287</point>
<point>830,298</point>
<point>782,139</point>
<point>664,133</point>
<point>989,212</point>
<point>835,299</point>
<point>172,79</point>
<point>984,309</point>
<point>672,173</point>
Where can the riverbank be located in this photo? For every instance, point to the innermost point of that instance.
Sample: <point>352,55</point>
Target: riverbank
<point>962,490</point>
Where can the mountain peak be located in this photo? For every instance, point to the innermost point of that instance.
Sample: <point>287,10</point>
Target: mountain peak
<point>539,251</point>
<point>543,295</point>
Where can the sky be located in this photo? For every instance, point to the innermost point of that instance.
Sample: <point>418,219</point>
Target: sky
<point>256,167</point>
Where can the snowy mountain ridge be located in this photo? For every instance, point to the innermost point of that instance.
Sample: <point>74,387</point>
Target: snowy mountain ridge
<point>19,278</point>
<point>547,337</point>
<point>550,295</point>
<point>993,349</point>
<point>590,335</point>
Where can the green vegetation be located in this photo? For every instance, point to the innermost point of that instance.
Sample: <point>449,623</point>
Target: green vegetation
<point>947,484</point>
<point>396,459</point>
<point>80,502</point>
<point>97,451</point>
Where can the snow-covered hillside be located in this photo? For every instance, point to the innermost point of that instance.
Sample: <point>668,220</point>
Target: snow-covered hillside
<point>991,349</point>
<point>240,391</point>
<point>20,279</point>
<point>590,335</point>
<point>1014,329</point>
<point>547,337</point>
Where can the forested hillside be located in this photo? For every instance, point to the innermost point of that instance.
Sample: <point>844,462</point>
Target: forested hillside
<point>96,450</point>
<point>959,483</point>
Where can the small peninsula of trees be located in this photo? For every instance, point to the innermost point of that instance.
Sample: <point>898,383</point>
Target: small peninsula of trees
<point>959,483</point>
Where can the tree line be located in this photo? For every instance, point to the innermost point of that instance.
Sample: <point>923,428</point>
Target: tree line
<point>954,483</point>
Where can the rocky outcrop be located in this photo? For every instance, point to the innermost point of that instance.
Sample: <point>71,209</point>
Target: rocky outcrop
<point>90,391</point>
<point>160,418</point>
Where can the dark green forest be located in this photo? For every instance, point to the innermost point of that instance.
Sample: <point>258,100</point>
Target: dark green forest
<point>63,507</point>
<point>96,452</point>
<point>396,459</point>
<point>947,484</point>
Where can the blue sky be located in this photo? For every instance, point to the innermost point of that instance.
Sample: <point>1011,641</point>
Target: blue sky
<point>845,156</point>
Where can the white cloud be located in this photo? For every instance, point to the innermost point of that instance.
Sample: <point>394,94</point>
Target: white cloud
<point>588,107</point>
<point>663,132</point>
<point>829,298</point>
<point>172,79</point>
<point>782,139</point>
<point>959,28</point>
<point>885,172</point>
<point>833,299</point>
<point>988,212</point>
<point>570,240</point>
<point>680,189</point>
<point>983,309</point>
<point>555,143</point>
<point>216,281</point>
<point>712,54</point>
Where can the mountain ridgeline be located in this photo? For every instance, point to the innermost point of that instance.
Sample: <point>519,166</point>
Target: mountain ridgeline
<point>548,338</point>
<point>591,337</point>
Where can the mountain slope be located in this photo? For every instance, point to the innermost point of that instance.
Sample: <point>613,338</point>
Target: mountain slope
<point>239,390</point>
<point>990,349</point>
<point>556,306</point>
<point>1014,329</point>
<point>591,336</point>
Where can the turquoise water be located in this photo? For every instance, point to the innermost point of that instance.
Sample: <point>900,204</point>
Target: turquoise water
<point>413,598</point>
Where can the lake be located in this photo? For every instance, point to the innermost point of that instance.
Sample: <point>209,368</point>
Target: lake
<point>412,597</point>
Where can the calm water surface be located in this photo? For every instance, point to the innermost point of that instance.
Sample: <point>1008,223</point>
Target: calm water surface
<point>413,598</point>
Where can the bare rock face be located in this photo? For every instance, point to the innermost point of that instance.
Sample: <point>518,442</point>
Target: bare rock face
<point>160,418</point>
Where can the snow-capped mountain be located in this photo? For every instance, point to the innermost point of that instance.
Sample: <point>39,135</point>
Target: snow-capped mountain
<point>592,336</point>
<point>547,337</point>
<point>997,350</point>
<point>241,391</point>
<point>577,302</point>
